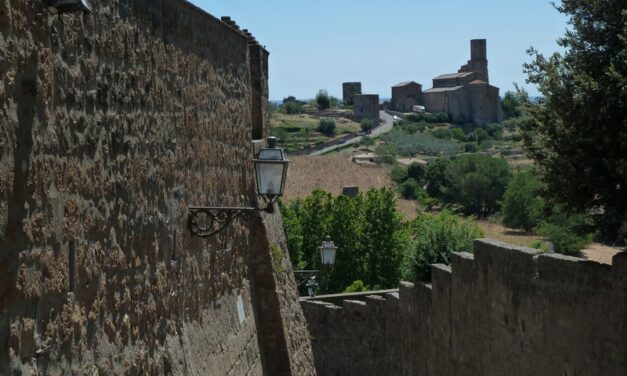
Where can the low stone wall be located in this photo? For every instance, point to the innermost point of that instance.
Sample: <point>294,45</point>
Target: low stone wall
<point>503,311</point>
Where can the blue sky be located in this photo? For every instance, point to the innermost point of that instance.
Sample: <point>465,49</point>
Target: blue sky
<point>320,44</point>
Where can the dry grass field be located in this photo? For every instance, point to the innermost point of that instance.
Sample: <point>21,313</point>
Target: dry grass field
<point>331,173</point>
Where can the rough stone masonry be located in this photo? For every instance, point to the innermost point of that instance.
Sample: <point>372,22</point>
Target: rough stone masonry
<point>112,124</point>
<point>503,310</point>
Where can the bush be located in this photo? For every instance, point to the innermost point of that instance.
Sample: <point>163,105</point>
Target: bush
<point>292,108</point>
<point>416,118</point>
<point>326,126</point>
<point>569,232</point>
<point>436,117</point>
<point>356,286</point>
<point>367,141</point>
<point>416,171</point>
<point>366,124</point>
<point>398,173</point>
<point>539,244</point>
<point>522,206</point>
<point>435,238</point>
<point>471,147</point>
<point>458,134</point>
<point>322,100</point>
<point>409,189</point>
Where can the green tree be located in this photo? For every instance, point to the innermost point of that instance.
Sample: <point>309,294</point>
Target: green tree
<point>383,239</point>
<point>322,100</point>
<point>326,126</point>
<point>293,232</point>
<point>367,141</point>
<point>477,182</point>
<point>578,133</point>
<point>366,124</point>
<point>436,177</point>
<point>346,230</point>
<point>435,237</point>
<point>522,205</point>
<point>512,105</point>
<point>416,171</point>
<point>315,217</point>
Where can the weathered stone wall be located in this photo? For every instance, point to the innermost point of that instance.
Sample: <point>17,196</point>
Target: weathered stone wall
<point>405,97</point>
<point>349,90</point>
<point>366,106</point>
<point>111,125</point>
<point>502,311</point>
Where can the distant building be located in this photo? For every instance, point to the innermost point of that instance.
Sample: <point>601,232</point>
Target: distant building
<point>406,95</point>
<point>467,95</point>
<point>349,90</point>
<point>366,106</point>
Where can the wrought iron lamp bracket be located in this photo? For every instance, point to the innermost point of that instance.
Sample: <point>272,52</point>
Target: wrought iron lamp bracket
<point>217,219</point>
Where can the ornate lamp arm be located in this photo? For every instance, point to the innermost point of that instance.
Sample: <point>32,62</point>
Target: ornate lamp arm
<point>216,218</point>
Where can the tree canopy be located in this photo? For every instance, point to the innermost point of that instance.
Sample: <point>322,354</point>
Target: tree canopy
<point>577,134</point>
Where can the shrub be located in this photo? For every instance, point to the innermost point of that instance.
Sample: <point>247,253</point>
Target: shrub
<point>322,100</point>
<point>409,189</point>
<point>356,286</point>
<point>458,134</point>
<point>366,124</point>
<point>539,244</point>
<point>569,232</point>
<point>436,117</point>
<point>415,117</point>
<point>471,147</point>
<point>326,126</point>
<point>435,238</point>
<point>416,171</point>
<point>398,173</point>
<point>292,108</point>
<point>367,141</point>
<point>442,133</point>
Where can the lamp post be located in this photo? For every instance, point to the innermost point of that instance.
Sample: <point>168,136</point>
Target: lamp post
<point>271,173</point>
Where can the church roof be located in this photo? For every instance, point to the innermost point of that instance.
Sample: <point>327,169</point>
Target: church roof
<point>401,84</point>
<point>478,82</point>
<point>442,89</point>
<point>452,75</point>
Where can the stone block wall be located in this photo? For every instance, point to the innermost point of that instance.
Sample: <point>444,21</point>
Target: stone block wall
<point>503,311</point>
<point>112,124</point>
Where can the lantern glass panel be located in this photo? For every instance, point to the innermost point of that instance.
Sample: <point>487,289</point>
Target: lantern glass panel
<point>328,255</point>
<point>270,178</point>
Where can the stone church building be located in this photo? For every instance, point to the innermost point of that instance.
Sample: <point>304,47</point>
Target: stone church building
<point>467,95</point>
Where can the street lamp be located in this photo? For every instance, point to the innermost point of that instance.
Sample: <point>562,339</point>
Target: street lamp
<point>327,251</point>
<point>271,174</point>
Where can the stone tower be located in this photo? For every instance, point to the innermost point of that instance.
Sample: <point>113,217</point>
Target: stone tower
<point>478,62</point>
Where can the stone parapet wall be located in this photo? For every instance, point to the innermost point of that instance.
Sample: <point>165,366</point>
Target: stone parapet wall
<point>112,124</point>
<point>503,311</point>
